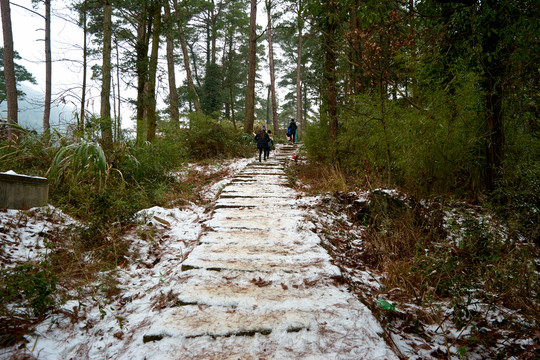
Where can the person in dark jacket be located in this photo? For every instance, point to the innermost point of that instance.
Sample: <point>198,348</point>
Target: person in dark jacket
<point>293,128</point>
<point>270,145</point>
<point>262,140</point>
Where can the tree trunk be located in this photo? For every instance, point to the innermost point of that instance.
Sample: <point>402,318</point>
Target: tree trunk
<point>142,74</point>
<point>119,119</point>
<point>250,94</point>
<point>271,62</point>
<point>494,136</point>
<point>194,60</point>
<point>357,78</point>
<point>152,71</point>
<point>233,119</point>
<point>9,67</point>
<point>231,83</point>
<point>173,92</point>
<point>48,68</point>
<point>183,45</point>
<point>85,69</point>
<point>105,114</point>
<point>299,71</point>
<point>330,72</point>
<point>114,117</point>
<point>494,62</point>
<point>414,80</point>
<point>383,98</point>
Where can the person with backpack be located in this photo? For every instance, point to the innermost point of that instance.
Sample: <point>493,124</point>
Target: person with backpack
<point>292,129</point>
<point>262,140</point>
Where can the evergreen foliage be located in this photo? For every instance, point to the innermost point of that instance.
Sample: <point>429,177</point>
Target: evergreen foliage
<point>21,74</point>
<point>425,106</point>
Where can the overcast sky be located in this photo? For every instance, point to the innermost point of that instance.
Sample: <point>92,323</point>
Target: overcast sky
<point>28,35</point>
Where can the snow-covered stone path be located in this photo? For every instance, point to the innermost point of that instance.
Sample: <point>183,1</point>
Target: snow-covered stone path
<point>260,286</point>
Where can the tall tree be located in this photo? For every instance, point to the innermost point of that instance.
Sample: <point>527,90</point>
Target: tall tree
<point>329,27</point>
<point>118,118</point>
<point>300,25</point>
<point>105,113</point>
<point>494,60</point>
<point>9,65</point>
<point>84,65</point>
<point>173,92</point>
<point>141,64</point>
<point>236,33</point>
<point>249,118</point>
<point>152,72</point>
<point>213,25</point>
<point>185,53</point>
<point>48,68</point>
<point>268,4</point>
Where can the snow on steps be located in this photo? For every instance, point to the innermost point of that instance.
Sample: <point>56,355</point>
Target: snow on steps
<point>260,287</point>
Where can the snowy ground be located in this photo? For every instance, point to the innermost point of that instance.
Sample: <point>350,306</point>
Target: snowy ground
<point>246,281</point>
<point>419,331</point>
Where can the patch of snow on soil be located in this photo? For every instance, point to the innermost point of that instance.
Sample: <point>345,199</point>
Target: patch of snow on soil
<point>211,191</point>
<point>24,234</point>
<point>102,328</point>
<point>414,328</point>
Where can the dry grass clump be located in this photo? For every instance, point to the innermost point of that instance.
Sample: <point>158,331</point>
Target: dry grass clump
<point>452,266</point>
<point>320,178</point>
<point>77,264</point>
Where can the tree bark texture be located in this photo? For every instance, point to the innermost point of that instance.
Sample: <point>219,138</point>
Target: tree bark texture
<point>105,113</point>
<point>330,73</point>
<point>494,63</point>
<point>142,74</point>
<point>48,68</point>
<point>119,118</point>
<point>185,53</point>
<point>9,66</point>
<point>85,69</point>
<point>152,71</point>
<point>271,63</point>
<point>231,95</point>
<point>173,92</point>
<point>252,65</point>
<point>300,23</point>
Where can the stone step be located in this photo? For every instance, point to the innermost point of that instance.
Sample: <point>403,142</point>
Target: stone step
<point>252,202</point>
<point>261,214</point>
<point>248,290</point>
<point>272,238</point>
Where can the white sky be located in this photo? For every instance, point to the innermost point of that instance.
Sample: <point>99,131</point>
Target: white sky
<point>28,35</point>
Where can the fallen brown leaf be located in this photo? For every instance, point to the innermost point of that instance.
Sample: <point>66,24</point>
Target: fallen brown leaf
<point>260,282</point>
<point>163,221</point>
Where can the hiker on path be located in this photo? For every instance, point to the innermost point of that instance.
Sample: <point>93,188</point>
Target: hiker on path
<point>262,140</point>
<point>270,145</point>
<point>292,129</point>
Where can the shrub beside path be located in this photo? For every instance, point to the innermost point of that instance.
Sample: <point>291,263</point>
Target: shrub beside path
<point>259,286</point>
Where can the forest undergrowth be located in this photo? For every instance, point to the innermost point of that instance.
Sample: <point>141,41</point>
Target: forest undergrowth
<point>448,277</point>
<point>98,194</point>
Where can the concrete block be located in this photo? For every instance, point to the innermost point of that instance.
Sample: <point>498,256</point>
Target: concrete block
<point>22,192</point>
